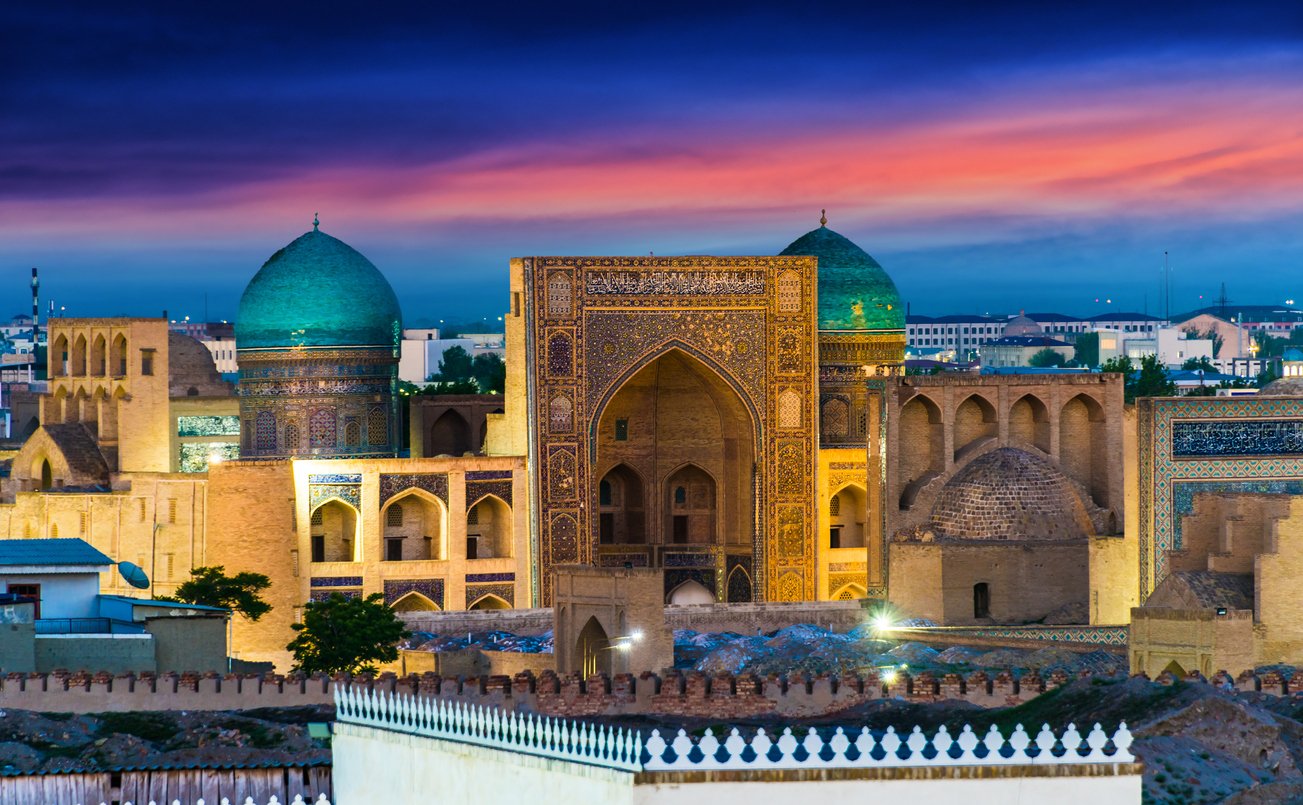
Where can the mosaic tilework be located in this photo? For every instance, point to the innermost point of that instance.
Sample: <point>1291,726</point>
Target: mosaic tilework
<point>1089,635</point>
<point>488,475</point>
<point>436,483</point>
<point>695,559</point>
<point>430,588</point>
<point>705,577</point>
<point>335,478</point>
<point>1162,473</point>
<point>474,592</point>
<point>1270,437</point>
<point>620,559</point>
<point>320,493</point>
<point>477,490</point>
<point>322,595</point>
<point>480,578</point>
<point>336,581</point>
<point>739,587</point>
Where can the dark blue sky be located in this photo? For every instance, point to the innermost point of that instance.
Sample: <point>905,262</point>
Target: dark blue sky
<point>1026,155</point>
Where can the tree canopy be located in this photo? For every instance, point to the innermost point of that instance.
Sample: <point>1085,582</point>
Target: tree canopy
<point>346,634</point>
<point>1201,362</point>
<point>1047,358</point>
<point>210,586</point>
<point>454,365</point>
<point>1150,380</point>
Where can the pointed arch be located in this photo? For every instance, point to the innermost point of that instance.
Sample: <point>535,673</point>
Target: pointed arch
<point>739,586</point>
<point>690,505</point>
<point>1083,445</point>
<point>849,592</point>
<point>99,356</point>
<point>420,533</point>
<point>848,516</point>
<point>118,356</point>
<point>919,425</point>
<point>489,601</point>
<point>414,601</point>
<point>450,434</point>
<point>1029,423</point>
<point>689,591</point>
<point>78,361</point>
<point>975,425</point>
<point>488,528</point>
<point>335,531</point>
<point>58,356</point>
<point>593,649</point>
<point>622,506</point>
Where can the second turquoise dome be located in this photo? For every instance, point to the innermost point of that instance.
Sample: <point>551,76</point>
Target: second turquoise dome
<point>855,293</point>
<point>318,292</point>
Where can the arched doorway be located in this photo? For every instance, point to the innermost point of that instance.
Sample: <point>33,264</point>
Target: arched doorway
<point>593,649</point>
<point>488,529</point>
<point>46,476</point>
<point>413,528</point>
<point>690,592</point>
<point>848,517</point>
<point>677,425</point>
<point>334,533</point>
<point>450,435</point>
<point>690,507</point>
<point>621,516</point>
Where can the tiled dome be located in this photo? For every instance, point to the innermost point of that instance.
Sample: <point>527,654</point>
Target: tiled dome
<point>318,292</point>
<point>855,292</point>
<point>1009,494</point>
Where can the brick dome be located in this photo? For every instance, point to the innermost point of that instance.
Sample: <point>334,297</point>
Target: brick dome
<point>1009,494</point>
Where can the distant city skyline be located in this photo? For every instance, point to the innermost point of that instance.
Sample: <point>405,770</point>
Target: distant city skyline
<point>990,158</point>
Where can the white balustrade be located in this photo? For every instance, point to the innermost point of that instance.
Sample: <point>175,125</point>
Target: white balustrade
<point>625,749</point>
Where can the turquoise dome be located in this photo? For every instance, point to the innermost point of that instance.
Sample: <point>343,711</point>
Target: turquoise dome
<point>855,292</point>
<point>318,292</point>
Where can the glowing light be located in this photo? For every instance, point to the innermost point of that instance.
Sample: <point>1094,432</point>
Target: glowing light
<point>882,623</point>
<point>625,646</point>
<point>635,635</point>
<point>215,458</point>
<point>889,678</point>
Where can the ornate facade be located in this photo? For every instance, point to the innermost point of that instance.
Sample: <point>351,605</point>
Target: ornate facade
<point>318,336</point>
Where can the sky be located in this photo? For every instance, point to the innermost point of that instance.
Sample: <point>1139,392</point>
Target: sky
<point>992,156</point>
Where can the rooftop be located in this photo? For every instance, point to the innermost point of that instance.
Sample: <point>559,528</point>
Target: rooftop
<point>50,552</point>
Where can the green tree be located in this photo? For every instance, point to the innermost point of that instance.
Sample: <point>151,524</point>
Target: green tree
<point>451,387</point>
<point>240,593</point>
<point>1150,380</point>
<point>489,372</point>
<point>1194,364</point>
<point>1046,358</point>
<point>346,634</point>
<point>455,365</point>
<point>1087,345</point>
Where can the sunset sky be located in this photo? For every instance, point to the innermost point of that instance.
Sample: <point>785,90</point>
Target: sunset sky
<point>1035,155</point>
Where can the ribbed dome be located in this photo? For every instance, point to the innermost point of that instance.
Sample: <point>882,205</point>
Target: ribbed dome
<point>318,292</point>
<point>1022,325</point>
<point>855,292</point>
<point>1283,387</point>
<point>1009,494</point>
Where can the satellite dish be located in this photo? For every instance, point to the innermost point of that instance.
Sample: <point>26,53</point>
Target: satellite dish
<point>134,575</point>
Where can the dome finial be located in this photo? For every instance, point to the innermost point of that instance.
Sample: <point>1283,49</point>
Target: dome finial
<point>823,217</point>
<point>316,222</point>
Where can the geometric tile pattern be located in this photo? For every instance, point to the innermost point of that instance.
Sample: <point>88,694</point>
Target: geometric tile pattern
<point>1171,472</point>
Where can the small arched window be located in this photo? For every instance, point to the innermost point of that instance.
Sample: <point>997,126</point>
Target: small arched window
<point>291,437</point>
<point>680,496</point>
<point>352,433</point>
<point>835,505</point>
<point>377,427</point>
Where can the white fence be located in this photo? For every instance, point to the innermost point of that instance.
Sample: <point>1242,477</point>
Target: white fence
<point>626,750</point>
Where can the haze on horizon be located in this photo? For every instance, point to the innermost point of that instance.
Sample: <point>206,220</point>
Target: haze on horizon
<point>1021,156</point>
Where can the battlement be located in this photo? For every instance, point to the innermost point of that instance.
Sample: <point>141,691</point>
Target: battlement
<point>676,694</point>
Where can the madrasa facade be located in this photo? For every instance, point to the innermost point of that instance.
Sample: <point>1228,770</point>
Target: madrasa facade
<point>742,423</point>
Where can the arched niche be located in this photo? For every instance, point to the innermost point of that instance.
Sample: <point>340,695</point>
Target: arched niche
<point>78,359</point>
<point>593,649</point>
<point>414,602</point>
<point>450,434</point>
<point>920,427</point>
<point>1083,446</point>
<point>118,356</point>
<point>690,507</point>
<point>334,533</point>
<point>58,357</point>
<point>413,527</point>
<point>488,529</point>
<point>621,505</point>
<point>975,426</point>
<point>848,517</point>
<point>677,411</point>
<point>690,592</point>
<point>488,602</point>
<point>98,356</point>
<point>1029,423</point>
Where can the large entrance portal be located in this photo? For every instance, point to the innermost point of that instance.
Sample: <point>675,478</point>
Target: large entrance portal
<point>675,466</point>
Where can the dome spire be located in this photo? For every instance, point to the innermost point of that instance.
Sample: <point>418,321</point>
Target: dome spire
<point>823,217</point>
<point>316,222</point>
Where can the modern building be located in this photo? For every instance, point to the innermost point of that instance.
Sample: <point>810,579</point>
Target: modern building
<point>1018,350</point>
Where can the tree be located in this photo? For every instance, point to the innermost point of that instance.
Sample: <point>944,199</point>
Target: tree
<point>1046,358</point>
<point>1151,380</point>
<point>489,372</point>
<point>346,634</point>
<point>1087,345</point>
<point>211,587</point>
<point>1195,364</point>
<point>455,364</point>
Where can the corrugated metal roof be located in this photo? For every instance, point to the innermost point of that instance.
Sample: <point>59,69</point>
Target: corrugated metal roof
<point>153,602</point>
<point>67,551</point>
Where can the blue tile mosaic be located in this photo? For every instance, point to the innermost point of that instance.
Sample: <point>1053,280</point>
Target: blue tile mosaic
<point>1212,439</point>
<point>473,578</point>
<point>489,475</point>
<point>335,478</point>
<point>336,581</point>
